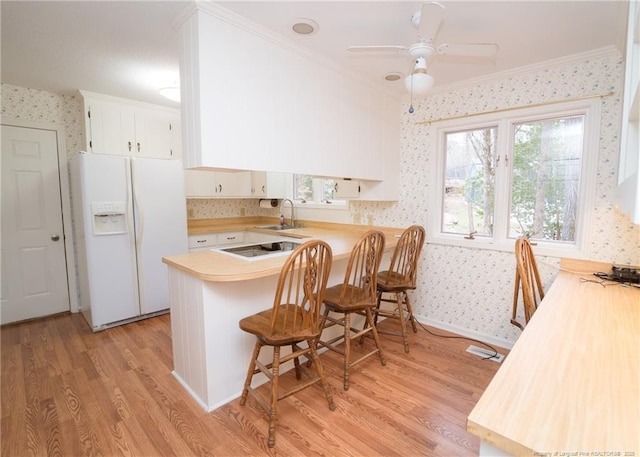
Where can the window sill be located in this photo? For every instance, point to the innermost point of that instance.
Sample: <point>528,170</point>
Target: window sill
<point>340,205</point>
<point>541,248</point>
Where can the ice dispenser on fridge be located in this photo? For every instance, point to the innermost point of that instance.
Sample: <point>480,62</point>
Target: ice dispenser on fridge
<point>109,218</point>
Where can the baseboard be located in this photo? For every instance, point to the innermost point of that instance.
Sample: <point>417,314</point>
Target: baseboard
<point>492,340</point>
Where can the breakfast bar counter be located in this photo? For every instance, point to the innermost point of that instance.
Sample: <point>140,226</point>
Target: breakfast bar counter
<point>216,267</point>
<point>210,292</point>
<point>571,383</point>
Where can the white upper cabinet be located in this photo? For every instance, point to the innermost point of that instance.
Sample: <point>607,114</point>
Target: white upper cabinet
<point>628,192</point>
<point>128,128</point>
<point>268,184</point>
<point>254,101</point>
<point>216,184</point>
<point>345,189</point>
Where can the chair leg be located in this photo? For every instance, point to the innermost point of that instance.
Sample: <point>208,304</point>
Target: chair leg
<point>376,338</point>
<point>377,308</point>
<point>273,407</point>
<point>347,348</point>
<point>250,372</point>
<point>296,362</point>
<point>403,323</point>
<point>323,321</point>
<point>320,371</point>
<point>410,311</point>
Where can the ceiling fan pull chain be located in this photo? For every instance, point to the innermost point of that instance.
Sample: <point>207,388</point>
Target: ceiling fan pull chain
<point>411,97</point>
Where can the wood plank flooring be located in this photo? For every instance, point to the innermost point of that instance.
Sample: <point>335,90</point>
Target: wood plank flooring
<point>66,391</point>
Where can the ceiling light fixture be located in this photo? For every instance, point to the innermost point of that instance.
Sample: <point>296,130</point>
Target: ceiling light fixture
<point>304,26</point>
<point>419,82</point>
<point>172,93</point>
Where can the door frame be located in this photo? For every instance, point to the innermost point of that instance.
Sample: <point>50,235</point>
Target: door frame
<point>65,196</point>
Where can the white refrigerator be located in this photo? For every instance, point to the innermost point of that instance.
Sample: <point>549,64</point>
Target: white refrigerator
<point>128,214</point>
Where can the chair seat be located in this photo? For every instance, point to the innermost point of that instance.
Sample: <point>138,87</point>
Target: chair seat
<point>390,281</point>
<point>355,299</point>
<point>259,324</point>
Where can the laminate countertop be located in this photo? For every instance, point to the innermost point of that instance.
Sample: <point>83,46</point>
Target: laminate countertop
<point>213,266</point>
<point>571,383</point>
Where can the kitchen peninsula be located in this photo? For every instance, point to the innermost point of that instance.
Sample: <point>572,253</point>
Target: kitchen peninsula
<point>210,292</point>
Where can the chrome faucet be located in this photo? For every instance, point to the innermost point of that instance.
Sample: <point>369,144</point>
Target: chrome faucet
<point>293,221</point>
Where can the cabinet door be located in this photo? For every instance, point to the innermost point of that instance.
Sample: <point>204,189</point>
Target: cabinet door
<point>110,127</point>
<point>268,184</point>
<point>346,189</point>
<point>230,238</point>
<point>200,184</point>
<point>233,184</point>
<point>154,133</point>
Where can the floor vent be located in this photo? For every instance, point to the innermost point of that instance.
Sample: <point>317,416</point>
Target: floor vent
<point>485,353</point>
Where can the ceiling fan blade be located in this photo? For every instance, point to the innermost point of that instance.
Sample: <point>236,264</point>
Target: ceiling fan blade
<point>470,49</point>
<point>397,49</point>
<point>430,19</point>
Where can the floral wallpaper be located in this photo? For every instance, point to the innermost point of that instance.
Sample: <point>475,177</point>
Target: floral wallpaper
<point>468,291</point>
<point>471,291</point>
<point>37,105</point>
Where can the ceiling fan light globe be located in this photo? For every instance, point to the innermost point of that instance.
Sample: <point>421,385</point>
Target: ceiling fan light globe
<point>419,83</point>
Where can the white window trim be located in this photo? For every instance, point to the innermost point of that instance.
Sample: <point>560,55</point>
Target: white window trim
<point>591,108</point>
<point>340,205</point>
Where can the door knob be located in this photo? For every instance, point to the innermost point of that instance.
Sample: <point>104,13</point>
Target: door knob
<point>55,237</point>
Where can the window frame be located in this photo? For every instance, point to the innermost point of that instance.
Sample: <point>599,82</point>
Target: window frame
<point>505,120</point>
<point>318,183</point>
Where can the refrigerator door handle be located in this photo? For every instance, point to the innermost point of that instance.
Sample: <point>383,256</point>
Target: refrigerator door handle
<point>137,204</point>
<point>135,228</point>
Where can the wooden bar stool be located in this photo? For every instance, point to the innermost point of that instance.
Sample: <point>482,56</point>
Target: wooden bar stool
<point>294,318</point>
<point>398,279</point>
<point>356,295</point>
<point>528,277</point>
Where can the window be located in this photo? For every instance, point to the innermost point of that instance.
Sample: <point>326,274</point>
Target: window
<point>530,172</point>
<point>313,191</point>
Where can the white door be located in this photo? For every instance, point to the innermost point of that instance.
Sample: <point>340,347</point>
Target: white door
<point>34,273</point>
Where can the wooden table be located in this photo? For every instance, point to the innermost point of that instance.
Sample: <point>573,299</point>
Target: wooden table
<point>571,383</point>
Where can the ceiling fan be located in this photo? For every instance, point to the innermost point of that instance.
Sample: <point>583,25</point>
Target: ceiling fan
<point>428,21</point>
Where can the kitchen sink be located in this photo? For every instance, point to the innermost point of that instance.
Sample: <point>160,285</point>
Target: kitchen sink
<point>262,250</point>
<point>276,227</point>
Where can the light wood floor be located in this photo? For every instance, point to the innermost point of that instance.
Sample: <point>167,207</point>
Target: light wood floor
<point>69,392</point>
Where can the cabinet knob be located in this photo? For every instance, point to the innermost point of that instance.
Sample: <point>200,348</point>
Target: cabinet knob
<point>138,146</point>
<point>129,145</point>
<point>55,237</point>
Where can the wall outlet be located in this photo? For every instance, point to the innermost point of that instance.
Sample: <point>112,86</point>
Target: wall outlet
<point>357,218</point>
<point>243,211</point>
<point>190,213</point>
<point>370,219</point>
